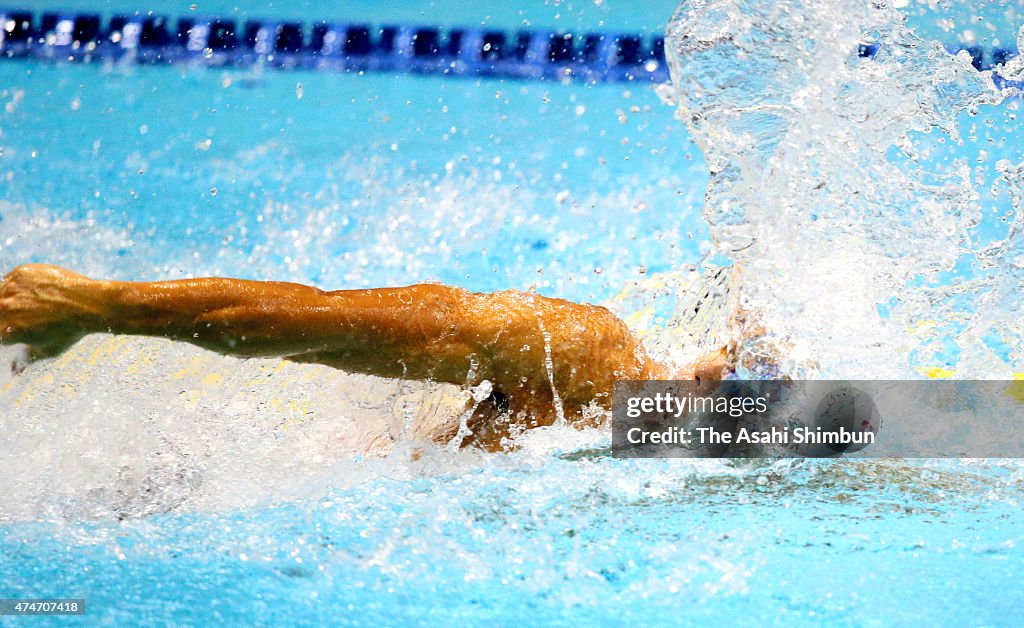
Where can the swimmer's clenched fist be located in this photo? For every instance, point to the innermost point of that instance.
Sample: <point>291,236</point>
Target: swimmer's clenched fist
<point>542,356</point>
<point>43,306</point>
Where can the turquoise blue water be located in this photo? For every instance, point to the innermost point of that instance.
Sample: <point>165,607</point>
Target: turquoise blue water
<point>200,156</point>
<point>351,181</point>
<point>562,542</point>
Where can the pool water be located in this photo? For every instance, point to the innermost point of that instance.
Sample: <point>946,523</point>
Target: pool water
<point>348,181</point>
<point>355,154</point>
<point>564,541</point>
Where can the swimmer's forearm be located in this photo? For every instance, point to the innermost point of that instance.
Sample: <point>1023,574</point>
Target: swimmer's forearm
<point>255,318</point>
<point>418,332</point>
<point>214,313</point>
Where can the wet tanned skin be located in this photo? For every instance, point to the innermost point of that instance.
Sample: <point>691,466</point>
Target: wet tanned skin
<point>526,345</point>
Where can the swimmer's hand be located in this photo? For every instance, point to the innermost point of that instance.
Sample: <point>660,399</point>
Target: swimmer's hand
<point>44,307</point>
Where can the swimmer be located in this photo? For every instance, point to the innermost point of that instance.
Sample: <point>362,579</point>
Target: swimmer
<point>545,358</point>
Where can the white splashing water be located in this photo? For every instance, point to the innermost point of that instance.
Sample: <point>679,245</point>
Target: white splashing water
<point>860,252</point>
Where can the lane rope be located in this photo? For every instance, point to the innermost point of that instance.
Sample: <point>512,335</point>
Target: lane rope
<point>338,46</point>
<point>540,54</point>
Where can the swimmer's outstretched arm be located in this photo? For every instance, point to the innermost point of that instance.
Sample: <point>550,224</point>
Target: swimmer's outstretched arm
<point>538,352</point>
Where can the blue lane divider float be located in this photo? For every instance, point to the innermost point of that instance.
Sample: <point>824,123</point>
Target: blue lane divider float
<point>209,40</point>
<point>352,47</point>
